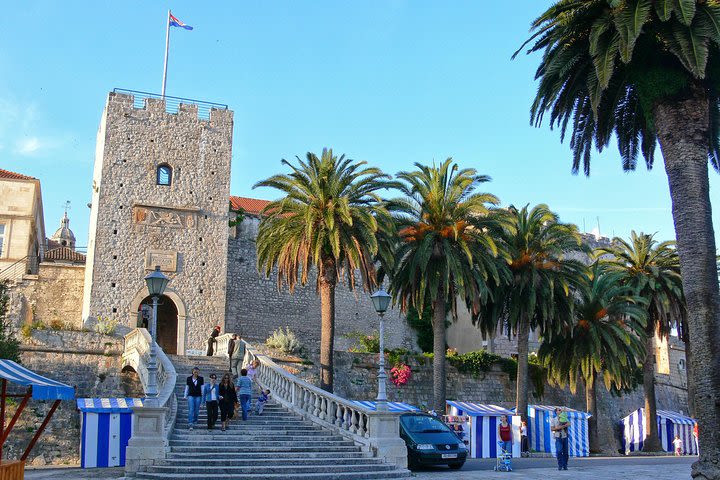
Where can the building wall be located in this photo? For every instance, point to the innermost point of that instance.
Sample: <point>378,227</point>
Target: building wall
<point>255,307</point>
<point>136,224</point>
<point>53,296</point>
<point>21,213</point>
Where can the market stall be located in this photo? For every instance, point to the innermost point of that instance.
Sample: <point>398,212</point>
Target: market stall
<point>669,425</point>
<point>540,437</point>
<point>480,428</point>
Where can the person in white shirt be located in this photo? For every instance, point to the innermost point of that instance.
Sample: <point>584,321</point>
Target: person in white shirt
<point>559,430</point>
<point>211,397</point>
<point>523,439</point>
<point>678,444</point>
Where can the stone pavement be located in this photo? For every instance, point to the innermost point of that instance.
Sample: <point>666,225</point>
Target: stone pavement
<point>597,468</point>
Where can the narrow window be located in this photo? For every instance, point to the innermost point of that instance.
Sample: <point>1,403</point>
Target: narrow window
<point>164,174</point>
<point>2,238</point>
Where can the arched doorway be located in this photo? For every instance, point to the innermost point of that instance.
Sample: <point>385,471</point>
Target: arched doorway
<point>167,322</point>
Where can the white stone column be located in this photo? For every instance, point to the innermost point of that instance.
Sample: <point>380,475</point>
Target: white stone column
<point>385,441</point>
<point>148,442</point>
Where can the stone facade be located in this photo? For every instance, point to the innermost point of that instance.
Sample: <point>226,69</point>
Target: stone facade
<point>89,361</point>
<point>22,228</point>
<point>255,307</point>
<point>356,379</point>
<point>137,222</point>
<point>53,297</point>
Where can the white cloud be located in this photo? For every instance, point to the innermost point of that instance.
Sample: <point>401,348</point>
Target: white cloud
<point>28,146</point>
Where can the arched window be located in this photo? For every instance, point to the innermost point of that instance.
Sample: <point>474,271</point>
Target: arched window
<point>164,174</point>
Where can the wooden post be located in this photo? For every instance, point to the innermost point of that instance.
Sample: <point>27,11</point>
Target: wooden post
<point>40,430</point>
<point>21,407</point>
<point>2,414</point>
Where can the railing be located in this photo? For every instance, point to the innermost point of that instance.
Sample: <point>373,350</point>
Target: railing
<point>376,431</point>
<point>136,355</point>
<point>27,265</point>
<point>172,104</point>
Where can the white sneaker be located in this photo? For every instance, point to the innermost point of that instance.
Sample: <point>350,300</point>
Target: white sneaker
<point>190,427</point>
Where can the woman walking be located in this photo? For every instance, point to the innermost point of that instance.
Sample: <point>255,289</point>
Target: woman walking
<point>228,398</point>
<point>245,390</point>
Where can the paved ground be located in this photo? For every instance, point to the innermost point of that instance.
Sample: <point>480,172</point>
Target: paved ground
<point>596,468</point>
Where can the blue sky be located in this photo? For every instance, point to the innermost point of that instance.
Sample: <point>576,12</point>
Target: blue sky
<point>391,82</point>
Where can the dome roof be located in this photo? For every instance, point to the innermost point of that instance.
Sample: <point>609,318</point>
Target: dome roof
<point>63,235</point>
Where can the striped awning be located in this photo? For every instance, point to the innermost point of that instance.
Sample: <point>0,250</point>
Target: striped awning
<point>42,388</point>
<point>551,408</point>
<point>675,417</point>
<point>108,405</point>
<point>479,409</point>
<point>392,406</point>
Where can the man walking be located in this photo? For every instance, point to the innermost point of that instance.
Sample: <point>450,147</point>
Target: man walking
<point>193,394</point>
<point>231,348</point>
<point>237,355</point>
<point>559,427</point>
<point>211,397</point>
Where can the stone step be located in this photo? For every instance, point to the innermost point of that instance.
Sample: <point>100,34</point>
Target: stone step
<point>217,435</point>
<point>229,442</point>
<point>211,471</point>
<point>271,449</point>
<point>324,455</point>
<point>252,420</point>
<point>271,460</point>
<point>255,430</point>
<point>352,475</point>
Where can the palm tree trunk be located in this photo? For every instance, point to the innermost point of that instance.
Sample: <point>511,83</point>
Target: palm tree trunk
<point>439,393</point>
<point>328,281</point>
<point>521,400</point>
<point>652,440</point>
<point>690,378</point>
<point>591,407</point>
<point>683,130</point>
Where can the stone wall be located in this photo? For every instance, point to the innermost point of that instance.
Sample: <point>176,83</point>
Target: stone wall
<point>135,223</point>
<point>356,379</point>
<point>89,361</point>
<point>255,307</point>
<point>53,296</point>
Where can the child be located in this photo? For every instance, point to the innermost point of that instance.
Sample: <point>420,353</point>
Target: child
<point>563,417</point>
<point>262,400</point>
<point>678,444</point>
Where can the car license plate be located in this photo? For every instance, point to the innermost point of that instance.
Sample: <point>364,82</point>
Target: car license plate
<point>449,455</point>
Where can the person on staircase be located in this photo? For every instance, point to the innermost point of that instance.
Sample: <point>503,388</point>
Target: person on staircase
<point>193,394</point>
<point>228,399</point>
<point>211,398</point>
<point>212,339</point>
<point>245,390</point>
<point>237,355</point>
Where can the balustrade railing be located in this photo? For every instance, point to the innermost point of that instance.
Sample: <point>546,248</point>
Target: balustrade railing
<point>136,355</point>
<point>378,432</point>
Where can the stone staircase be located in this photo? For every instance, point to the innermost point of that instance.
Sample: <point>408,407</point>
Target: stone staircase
<point>279,444</point>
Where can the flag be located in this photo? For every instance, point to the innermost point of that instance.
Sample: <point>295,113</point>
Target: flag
<point>174,22</point>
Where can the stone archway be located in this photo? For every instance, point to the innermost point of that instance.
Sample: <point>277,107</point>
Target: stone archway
<point>181,314</point>
<point>167,322</point>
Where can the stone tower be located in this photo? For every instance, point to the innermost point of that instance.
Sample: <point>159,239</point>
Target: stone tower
<point>63,236</point>
<point>160,194</point>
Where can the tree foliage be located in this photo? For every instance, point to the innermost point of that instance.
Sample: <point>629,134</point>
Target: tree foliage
<point>9,344</point>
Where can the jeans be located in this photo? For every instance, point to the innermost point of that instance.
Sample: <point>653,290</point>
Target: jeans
<point>507,446</point>
<point>212,413</point>
<point>260,406</point>
<point>244,405</point>
<point>561,451</point>
<point>193,409</point>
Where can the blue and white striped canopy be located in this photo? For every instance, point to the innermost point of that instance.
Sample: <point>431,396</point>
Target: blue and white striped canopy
<point>42,388</point>
<point>675,417</point>
<point>392,406</point>
<point>478,409</point>
<point>108,405</point>
<point>570,411</point>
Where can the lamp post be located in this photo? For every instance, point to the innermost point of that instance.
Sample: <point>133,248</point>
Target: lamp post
<point>381,301</point>
<point>156,283</point>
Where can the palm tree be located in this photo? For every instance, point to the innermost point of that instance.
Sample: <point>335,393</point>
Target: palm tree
<point>647,72</point>
<point>327,219</point>
<point>539,295</point>
<point>650,270</point>
<point>444,250</point>
<point>606,340</point>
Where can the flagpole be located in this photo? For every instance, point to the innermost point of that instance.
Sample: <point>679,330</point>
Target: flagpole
<point>167,48</point>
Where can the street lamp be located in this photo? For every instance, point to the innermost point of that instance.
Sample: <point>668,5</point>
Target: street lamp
<point>156,283</point>
<point>381,302</point>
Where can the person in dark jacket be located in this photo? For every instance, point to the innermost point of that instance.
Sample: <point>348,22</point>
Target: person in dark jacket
<point>193,394</point>
<point>228,399</point>
<point>211,340</point>
<point>231,348</point>
<point>211,397</point>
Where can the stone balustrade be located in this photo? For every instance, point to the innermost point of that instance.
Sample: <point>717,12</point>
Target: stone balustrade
<point>376,431</point>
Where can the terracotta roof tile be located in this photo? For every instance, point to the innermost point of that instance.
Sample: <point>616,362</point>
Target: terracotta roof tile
<point>64,254</point>
<point>251,206</point>
<point>14,176</point>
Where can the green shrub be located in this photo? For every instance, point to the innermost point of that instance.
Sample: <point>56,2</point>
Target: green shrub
<point>106,325</point>
<point>364,343</point>
<point>423,328</point>
<point>284,341</point>
<point>9,344</point>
